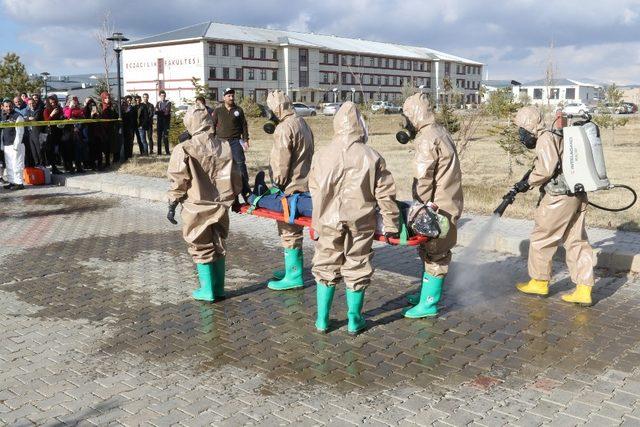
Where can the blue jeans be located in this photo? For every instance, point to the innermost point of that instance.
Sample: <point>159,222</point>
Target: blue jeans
<point>143,144</point>
<point>273,202</point>
<point>238,158</point>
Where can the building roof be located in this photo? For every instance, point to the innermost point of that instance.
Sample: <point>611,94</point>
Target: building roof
<point>238,33</point>
<point>497,83</point>
<point>559,82</point>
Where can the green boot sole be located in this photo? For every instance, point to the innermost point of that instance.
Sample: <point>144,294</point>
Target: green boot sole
<point>292,279</point>
<point>205,277</point>
<point>324,299</point>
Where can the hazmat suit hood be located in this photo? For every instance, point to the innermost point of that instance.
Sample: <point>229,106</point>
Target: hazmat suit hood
<point>197,120</point>
<point>530,119</point>
<point>417,109</point>
<point>280,104</point>
<point>349,126</point>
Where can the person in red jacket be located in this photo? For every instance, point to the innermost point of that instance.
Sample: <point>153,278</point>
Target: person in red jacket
<point>72,145</point>
<point>53,111</point>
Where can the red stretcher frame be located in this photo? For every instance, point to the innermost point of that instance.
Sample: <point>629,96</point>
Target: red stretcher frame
<point>305,221</point>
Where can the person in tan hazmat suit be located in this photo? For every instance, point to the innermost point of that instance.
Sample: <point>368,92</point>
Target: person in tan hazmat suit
<point>289,166</point>
<point>348,180</point>
<point>437,182</point>
<point>205,181</point>
<point>559,217</point>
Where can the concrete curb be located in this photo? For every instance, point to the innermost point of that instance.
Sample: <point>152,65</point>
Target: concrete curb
<point>615,250</point>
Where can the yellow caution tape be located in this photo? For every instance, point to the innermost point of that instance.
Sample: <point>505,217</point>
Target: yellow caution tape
<point>53,122</point>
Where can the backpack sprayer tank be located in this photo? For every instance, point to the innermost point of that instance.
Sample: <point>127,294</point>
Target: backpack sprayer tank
<point>583,159</point>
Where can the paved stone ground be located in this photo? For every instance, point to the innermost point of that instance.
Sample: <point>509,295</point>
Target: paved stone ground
<point>98,328</point>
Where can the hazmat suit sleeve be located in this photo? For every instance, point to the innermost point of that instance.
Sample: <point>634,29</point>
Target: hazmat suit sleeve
<point>280,159</point>
<point>547,160</point>
<point>179,176</point>
<point>385,194</point>
<point>426,162</point>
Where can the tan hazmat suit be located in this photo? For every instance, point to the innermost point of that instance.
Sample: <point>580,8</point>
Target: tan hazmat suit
<point>348,180</point>
<point>205,181</point>
<point>437,179</point>
<point>559,218</point>
<point>290,159</point>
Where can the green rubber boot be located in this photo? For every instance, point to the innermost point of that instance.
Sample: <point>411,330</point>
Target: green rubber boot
<point>218,278</point>
<point>206,278</point>
<point>414,299</point>
<point>430,294</point>
<point>293,271</point>
<point>278,274</point>
<point>324,298</point>
<point>356,322</point>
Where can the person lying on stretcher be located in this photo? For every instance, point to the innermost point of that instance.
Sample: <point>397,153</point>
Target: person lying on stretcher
<point>420,219</point>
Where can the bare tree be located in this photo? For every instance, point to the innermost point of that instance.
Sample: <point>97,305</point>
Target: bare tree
<point>105,31</point>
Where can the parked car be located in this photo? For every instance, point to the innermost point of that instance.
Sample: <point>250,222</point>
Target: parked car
<point>610,108</point>
<point>385,106</point>
<point>577,108</point>
<point>303,109</point>
<point>631,107</point>
<point>331,108</point>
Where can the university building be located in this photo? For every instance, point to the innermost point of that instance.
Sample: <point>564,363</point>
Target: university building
<point>311,68</point>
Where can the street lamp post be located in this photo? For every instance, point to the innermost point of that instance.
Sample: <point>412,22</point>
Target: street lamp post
<point>118,39</point>
<point>335,94</point>
<point>353,95</point>
<point>45,77</point>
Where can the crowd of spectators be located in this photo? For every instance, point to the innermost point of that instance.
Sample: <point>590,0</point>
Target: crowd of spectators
<point>78,147</point>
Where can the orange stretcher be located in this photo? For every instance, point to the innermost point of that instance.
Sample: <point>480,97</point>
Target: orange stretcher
<point>305,221</point>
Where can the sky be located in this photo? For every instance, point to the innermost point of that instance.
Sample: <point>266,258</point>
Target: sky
<point>597,40</point>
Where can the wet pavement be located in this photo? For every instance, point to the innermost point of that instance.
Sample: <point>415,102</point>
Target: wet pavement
<point>98,328</point>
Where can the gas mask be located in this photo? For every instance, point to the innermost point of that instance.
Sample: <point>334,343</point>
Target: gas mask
<point>527,139</point>
<point>407,133</point>
<point>272,121</point>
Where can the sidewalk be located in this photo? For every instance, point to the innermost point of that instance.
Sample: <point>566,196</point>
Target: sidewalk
<point>615,250</point>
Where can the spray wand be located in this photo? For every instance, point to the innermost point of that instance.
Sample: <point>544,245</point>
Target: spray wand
<point>510,197</point>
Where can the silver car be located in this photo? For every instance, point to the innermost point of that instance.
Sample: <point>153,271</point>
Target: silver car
<point>331,108</point>
<point>303,109</point>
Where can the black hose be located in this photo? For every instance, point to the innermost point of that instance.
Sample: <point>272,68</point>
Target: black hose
<point>635,197</point>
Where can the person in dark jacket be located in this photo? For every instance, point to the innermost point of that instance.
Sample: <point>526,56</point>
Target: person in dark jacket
<point>230,124</point>
<point>91,134</point>
<point>163,115</point>
<point>37,133</point>
<point>145,122</point>
<point>53,111</point>
<point>129,125</point>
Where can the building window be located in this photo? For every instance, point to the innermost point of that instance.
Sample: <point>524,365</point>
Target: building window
<point>353,60</point>
<point>263,53</point>
<point>238,73</point>
<point>274,54</point>
<point>372,61</point>
<point>304,78</point>
<point>252,52</point>
<point>263,74</point>
<point>427,82</point>
<point>344,78</point>
<point>325,58</point>
<point>428,67</point>
<point>225,73</point>
<point>570,93</point>
<point>343,59</point>
<point>225,50</point>
<point>304,57</point>
<point>212,72</point>
<point>212,49</point>
<point>239,50</point>
<point>325,78</point>
<point>386,80</point>
<point>252,74</point>
<point>537,94</point>
<point>554,93</point>
<point>274,75</point>
<point>447,68</point>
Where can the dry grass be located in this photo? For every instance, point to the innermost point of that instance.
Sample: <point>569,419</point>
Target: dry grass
<point>484,166</point>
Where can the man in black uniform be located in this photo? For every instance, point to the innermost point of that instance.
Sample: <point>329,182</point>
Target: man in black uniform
<point>163,114</point>
<point>230,124</point>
